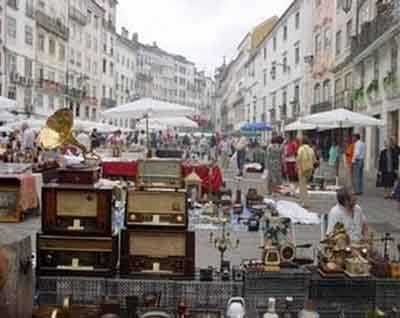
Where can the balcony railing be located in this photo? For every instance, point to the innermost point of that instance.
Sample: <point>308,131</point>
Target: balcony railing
<point>321,107</point>
<point>388,15</point>
<point>77,15</point>
<point>52,24</point>
<point>344,100</point>
<point>108,102</point>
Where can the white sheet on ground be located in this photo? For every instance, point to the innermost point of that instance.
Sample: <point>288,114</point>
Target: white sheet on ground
<point>296,213</point>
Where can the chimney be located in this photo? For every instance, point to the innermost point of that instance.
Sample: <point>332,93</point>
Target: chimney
<point>124,32</point>
<point>135,37</point>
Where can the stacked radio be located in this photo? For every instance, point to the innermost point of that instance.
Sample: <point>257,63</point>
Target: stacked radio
<point>157,241</point>
<point>77,236</point>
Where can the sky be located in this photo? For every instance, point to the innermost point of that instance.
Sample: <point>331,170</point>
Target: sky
<point>204,31</point>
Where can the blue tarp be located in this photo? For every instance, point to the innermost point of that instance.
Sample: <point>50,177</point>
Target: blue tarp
<point>257,126</point>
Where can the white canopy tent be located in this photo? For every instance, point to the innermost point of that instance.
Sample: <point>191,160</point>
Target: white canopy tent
<point>341,118</point>
<point>7,104</point>
<point>298,125</point>
<point>167,122</point>
<point>150,107</point>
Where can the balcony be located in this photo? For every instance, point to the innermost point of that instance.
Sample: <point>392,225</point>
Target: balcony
<point>321,107</point>
<point>78,16</point>
<point>108,102</point>
<point>344,100</point>
<point>388,15</point>
<point>52,24</point>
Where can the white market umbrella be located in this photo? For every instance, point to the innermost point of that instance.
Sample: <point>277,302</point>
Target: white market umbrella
<point>340,118</point>
<point>32,123</point>
<point>6,116</point>
<point>178,122</point>
<point>7,104</point>
<point>150,107</point>
<point>299,125</point>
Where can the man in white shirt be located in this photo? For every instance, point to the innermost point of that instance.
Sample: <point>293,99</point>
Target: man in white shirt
<point>358,165</point>
<point>28,138</point>
<point>347,212</point>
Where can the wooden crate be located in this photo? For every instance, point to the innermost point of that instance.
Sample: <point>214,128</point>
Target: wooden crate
<point>156,208</point>
<point>77,210</point>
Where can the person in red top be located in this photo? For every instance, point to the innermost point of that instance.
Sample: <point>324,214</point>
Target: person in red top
<point>290,152</point>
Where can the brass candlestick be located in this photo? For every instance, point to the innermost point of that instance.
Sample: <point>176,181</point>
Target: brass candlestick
<point>223,243</point>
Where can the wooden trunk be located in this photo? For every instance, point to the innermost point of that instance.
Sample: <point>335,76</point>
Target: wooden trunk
<point>16,279</point>
<point>160,173</point>
<point>162,254</point>
<point>77,210</point>
<point>10,207</point>
<point>76,256</point>
<point>79,176</point>
<point>156,208</point>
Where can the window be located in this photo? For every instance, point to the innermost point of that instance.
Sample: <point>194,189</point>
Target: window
<point>51,102</point>
<point>284,63</point>
<point>297,20</point>
<point>265,53</point>
<point>28,67</point>
<point>317,44</point>
<point>273,71</point>
<point>95,44</point>
<point>12,62</point>
<point>52,46</point>
<point>94,114</point>
<point>393,58</point>
<point>11,27</point>
<point>87,112</point>
<point>95,68</point>
<point>182,81</point>
<point>347,81</point>
<point>327,39</point>
<point>362,73</point>
<point>89,16</point>
<point>338,42</point>
<point>88,64</point>
<point>349,28</point>
<point>28,35</point>
<point>297,94</point>
<point>326,91</point>
<point>79,59</point>
<point>104,91</point>
<point>96,22</point>
<point>338,86</point>
<point>41,42</point>
<point>39,100</point>
<point>42,5</point>
<point>376,66</point>
<point>297,54</point>
<point>285,33</point>
<point>77,110</point>
<point>110,92</point>
<point>28,97</point>
<point>104,66</point>
<point>274,43</point>
<point>111,68</point>
<point>265,77</point>
<point>88,41</point>
<point>12,92</point>
<point>317,3</point>
<point>72,56</point>
<point>317,94</point>
<point>61,52</point>
<point>273,100</point>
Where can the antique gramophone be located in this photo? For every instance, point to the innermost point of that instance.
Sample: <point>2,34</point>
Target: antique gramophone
<point>58,133</point>
<point>334,251</point>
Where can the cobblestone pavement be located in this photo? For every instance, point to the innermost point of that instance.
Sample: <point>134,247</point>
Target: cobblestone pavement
<point>382,214</point>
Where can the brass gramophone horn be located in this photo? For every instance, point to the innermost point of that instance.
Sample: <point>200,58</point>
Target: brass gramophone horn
<point>58,132</point>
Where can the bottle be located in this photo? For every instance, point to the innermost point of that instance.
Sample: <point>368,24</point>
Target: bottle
<point>271,313</point>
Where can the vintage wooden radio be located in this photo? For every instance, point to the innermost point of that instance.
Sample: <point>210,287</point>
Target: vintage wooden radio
<point>162,254</point>
<point>72,255</point>
<point>157,207</point>
<point>10,207</point>
<point>83,175</point>
<point>77,209</point>
<point>160,173</point>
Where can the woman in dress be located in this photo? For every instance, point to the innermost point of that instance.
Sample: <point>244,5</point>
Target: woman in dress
<point>388,167</point>
<point>273,164</point>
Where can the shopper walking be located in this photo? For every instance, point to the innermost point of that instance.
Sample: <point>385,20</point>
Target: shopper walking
<point>305,166</point>
<point>358,165</point>
<point>387,168</point>
<point>241,147</point>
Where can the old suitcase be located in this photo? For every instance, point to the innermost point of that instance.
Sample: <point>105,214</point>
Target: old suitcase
<point>76,256</point>
<point>10,208</point>
<point>77,209</point>
<point>79,175</point>
<point>160,173</point>
<point>164,254</point>
<point>16,276</point>
<point>156,207</point>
